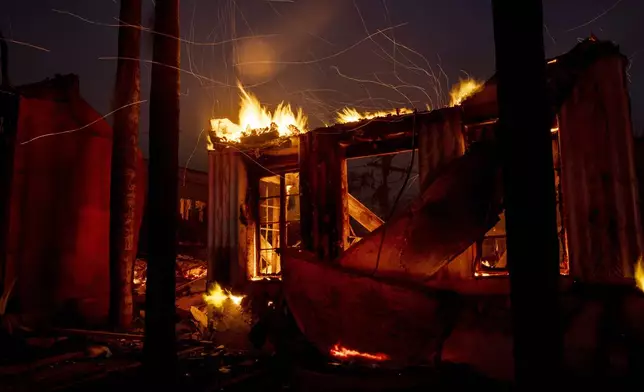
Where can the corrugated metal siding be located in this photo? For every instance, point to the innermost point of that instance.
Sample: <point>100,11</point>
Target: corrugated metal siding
<point>599,181</point>
<point>58,244</point>
<point>228,183</point>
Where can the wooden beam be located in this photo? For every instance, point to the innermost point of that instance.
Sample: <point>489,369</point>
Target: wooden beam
<point>363,215</point>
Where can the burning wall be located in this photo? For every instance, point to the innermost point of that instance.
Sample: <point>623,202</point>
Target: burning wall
<point>257,124</point>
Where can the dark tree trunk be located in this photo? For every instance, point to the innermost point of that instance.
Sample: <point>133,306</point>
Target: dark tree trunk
<point>4,62</point>
<point>124,164</point>
<point>525,141</point>
<point>159,350</point>
<point>8,123</point>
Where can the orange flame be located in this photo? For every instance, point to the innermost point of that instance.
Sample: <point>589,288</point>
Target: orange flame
<point>339,351</point>
<point>253,117</point>
<point>463,90</point>
<point>217,296</point>
<point>639,274</point>
<point>350,115</point>
<point>459,93</point>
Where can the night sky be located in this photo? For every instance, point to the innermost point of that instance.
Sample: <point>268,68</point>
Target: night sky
<point>311,53</point>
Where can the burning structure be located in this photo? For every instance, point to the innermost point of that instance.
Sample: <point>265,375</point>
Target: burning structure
<point>288,192</point>
<point>281,209</point>
<point>429,284</point>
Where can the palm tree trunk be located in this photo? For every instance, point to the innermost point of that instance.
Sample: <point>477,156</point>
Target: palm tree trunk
<point>529,186</point>
<point>124,164</point>
<point>159,348</point>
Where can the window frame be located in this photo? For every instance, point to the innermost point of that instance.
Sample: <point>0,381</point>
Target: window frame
<point>282,222</point>
<point>564,265</point>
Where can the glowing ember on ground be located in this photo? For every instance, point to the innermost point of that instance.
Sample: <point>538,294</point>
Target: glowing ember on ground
<point>196,273</point>
<point>463,90</point>
<point>350,115</point>
<point>255,118</point>
<point>217,296</point>
<point>339,351</point>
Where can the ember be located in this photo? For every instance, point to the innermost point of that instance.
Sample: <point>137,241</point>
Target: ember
<point>196,273</point>
<point>255,118</point>
<point>339,351</point>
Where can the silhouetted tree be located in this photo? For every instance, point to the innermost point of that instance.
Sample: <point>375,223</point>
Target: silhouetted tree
<point>159,349</point>
<point>529,187</point>
<point>124,164</point>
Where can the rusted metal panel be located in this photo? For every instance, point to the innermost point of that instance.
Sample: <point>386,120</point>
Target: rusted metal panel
<point>333,306</point>
<point>58,238</point>
<point>439,142</point>
<point>227,235</point>
<point>599,181</point>
<point>325,206</point>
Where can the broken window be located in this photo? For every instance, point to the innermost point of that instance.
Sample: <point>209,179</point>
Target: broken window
<point>200,206</point>
<point>491,256</point>
<point>374,184</point>
<point>185,205</point>
<point>279,220</point>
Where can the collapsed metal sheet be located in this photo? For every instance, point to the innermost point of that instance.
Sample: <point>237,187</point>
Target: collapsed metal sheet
<point>460,204</point>
<point>332,306</point>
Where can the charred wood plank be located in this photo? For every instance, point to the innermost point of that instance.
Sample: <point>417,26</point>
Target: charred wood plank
<point>363,215</point>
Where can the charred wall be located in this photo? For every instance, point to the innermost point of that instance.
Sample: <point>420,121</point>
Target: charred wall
<point>599,180</point>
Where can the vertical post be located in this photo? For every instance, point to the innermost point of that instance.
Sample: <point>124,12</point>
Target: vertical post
<point>4,63</point>
<point>439,143</point>
<point>123,188</point>
<point>227,237</point>
<point>529,194</point>
<point>599,179</point>
<point>8,123</point>
<point>8,128</point>
<point>159,350</point>
<point>307,190</point>
<point>325,203</point>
